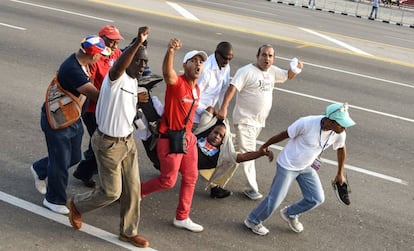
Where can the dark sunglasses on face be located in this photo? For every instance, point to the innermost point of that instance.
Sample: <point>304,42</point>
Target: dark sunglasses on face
<point>111,41</point>
<point>224,57</point>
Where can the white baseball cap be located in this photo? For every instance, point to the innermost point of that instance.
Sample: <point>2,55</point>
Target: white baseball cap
<point>194,53</point>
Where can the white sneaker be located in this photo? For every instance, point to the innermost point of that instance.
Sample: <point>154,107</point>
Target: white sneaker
<point>252,194</point>
<point>188,224</point>
<point>294,223</point>
<point>39,184</point>
<point>256,228</point>
<point>60,209</point>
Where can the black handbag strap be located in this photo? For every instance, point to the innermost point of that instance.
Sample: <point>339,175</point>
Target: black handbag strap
<point>186,118</point>
<point>188,115</point>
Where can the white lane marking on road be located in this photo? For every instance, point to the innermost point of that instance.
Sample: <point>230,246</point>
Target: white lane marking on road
<point>62,219</point>
<point>353,106</point>
<point>335,41</point>
<point>64,11</point>
<point>183,12</point>
<point>13,27</point>
<point>350,167</point>
<point>355,74</point>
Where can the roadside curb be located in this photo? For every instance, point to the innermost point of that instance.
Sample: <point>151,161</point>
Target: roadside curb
<point>342,13</point>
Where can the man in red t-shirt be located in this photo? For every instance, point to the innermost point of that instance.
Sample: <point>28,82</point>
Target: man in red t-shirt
<point>181,100</point>
<point>87,167</point>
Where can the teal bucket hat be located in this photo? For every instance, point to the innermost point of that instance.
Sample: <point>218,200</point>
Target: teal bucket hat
<point>339,113</point>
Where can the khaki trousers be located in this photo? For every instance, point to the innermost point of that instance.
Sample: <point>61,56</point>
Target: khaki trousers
<point>119,177</point>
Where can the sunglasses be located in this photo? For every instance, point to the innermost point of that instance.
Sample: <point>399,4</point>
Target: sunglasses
<point>224,57</point>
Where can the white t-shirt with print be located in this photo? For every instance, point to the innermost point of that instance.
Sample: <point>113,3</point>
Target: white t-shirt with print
<point>255,93</point>
<point>306,143</point>
<point>117,106</point>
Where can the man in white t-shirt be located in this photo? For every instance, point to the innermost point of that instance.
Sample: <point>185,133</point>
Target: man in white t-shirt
<point>214,79</point>
<point>114,146</point>
<point>254,86</point>
<point>299,160</point>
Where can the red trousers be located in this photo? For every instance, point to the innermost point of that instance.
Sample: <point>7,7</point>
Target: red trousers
<point>170,165</point>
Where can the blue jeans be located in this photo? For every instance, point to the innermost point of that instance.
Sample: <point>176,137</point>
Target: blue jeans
<point>64,150</point>
<point>374,9</point>
<point>88,167</point>
<point>309,183</point>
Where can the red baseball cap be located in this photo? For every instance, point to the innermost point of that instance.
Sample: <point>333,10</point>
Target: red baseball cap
<point>110,32</point>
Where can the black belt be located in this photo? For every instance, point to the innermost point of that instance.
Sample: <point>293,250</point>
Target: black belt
<point>113,138</point>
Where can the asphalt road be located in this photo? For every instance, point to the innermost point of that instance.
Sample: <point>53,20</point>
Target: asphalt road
<point>368,64</point>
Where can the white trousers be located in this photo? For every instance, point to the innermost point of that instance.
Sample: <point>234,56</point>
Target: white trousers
<point>246,142</point>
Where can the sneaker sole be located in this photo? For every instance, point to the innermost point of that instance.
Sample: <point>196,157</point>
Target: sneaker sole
<point>246,224</point>
<point>337,194</point>
<point>253,198</point>
<point>191,230</point>
<point>36,177</point>
<point>284,217</point>
<point>45,204</point>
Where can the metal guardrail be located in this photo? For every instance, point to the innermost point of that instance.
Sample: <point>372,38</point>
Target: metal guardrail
<point>402,15</point>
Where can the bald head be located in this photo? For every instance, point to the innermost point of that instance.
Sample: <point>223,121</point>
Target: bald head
<point>223,54</point>
<point>224,47</point>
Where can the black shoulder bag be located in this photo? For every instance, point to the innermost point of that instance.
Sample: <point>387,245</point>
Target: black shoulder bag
<point>176,138</point>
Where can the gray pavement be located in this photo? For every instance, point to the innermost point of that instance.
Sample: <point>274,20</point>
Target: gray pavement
<point>380,151</point>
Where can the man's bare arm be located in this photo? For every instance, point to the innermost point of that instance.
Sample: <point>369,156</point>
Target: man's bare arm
<point>128,55</point>
<point>222,112</point>
<point>170,76</point>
